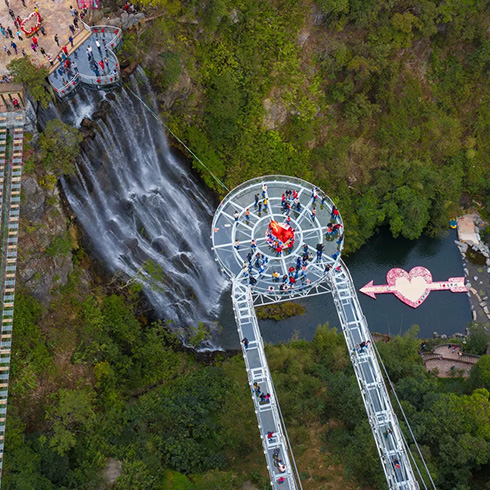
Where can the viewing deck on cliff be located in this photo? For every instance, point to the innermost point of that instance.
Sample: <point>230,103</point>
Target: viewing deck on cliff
<point>92,62</point>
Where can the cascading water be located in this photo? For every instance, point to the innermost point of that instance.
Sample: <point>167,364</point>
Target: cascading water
<point>142,211</point>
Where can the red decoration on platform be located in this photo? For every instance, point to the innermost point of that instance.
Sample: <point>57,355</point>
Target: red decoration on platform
<point>29,31</point>
<point>281,232</point>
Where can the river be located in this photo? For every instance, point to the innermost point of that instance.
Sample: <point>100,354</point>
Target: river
<point>443,312</point>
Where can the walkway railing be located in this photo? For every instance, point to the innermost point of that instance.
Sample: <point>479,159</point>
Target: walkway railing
<point>114,35</point>
<point>272,431</point>
<point>384,423</point>
<point>11,150</point>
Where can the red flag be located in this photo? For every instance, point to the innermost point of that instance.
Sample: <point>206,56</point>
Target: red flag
<point>281,232</point>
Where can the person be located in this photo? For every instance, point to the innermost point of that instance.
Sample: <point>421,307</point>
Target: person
<point>256,200</point>
<point>281,467</point>
<point>33,47</point>
<point>236,215</point>
<point>270,434</point>
<point>75,22</point>
<point>51,62</point>
<point>34,40</point>
<point>23,52</point>
<point>13,46</point>
<point>247,215</point>
<point>364,345</point>
<point>271,289</point>
<point>19,36</point>
<point>396,462</point>
<point>237,245</point>
<point>15,103</point>
<point>70,40</point>
<point>43,51</point>
<point>253,245</point>
<point>72,28</point>
<point>262,398</point>
<point>264,189</point>
<point>43,30</point>
<point>266,201</point>
<point>245,342</point>
<point>99,47</point>
<point>65,50</point>
<point>335,213</point>
<point>252,281</point>
<point>57,40</point>
<point>275,276</point>
<point>281,480</point>
<point>388,433</point>
<point>319,251</point>
<point>72,10</point>
<point>313,214</point>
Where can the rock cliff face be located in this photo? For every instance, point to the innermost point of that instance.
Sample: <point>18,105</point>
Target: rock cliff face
<point>45,257</point>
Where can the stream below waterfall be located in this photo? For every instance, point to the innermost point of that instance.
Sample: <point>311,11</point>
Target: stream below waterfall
<point>144,214</point>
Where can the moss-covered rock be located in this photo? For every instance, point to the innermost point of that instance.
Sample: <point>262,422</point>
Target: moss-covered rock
<point>280,311</point>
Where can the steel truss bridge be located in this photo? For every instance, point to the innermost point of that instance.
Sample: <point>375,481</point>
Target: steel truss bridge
<point>11,155</point>
<point>239,230</point>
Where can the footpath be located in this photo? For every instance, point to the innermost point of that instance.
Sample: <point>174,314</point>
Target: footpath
<point>449,360</point>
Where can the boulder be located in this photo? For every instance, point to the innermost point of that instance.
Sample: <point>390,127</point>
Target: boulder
<point>88,123</point>
<point>34,199</point>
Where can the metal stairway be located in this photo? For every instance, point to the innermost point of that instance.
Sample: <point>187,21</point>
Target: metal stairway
<point>11,148</point>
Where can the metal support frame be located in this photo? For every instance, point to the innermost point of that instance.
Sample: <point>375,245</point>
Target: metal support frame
<point>329,275</point>
<point>384,423</point>
<point>268,414</point>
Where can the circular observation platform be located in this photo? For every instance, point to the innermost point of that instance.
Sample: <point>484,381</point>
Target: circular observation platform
<point>281,234</point>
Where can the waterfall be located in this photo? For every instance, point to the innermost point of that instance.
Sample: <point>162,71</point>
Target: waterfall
<point>145,215</point>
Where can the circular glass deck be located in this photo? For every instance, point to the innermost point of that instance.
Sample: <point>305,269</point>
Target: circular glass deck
<point>292,254</point>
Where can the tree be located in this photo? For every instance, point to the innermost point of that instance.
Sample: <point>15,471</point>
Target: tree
<point>73,411</point>
<point>59,147</point>
<point>480,374</point>
<point>33,77</point>
<point>478,339</point>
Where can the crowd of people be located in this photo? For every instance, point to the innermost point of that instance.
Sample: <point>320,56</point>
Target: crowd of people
<point>280,238</point>
<point>20,41</point>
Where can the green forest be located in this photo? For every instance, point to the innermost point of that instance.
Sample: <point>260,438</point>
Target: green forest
<point>93,385</point>
<point>382,103</point>
<point>385,105</point>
